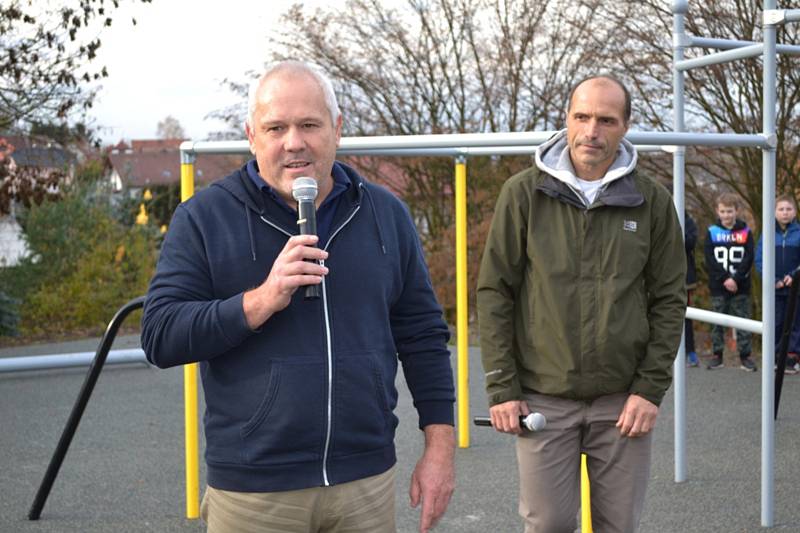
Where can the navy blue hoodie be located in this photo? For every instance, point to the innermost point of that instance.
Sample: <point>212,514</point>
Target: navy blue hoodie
<point>308,399</point>
<point>787,252</point>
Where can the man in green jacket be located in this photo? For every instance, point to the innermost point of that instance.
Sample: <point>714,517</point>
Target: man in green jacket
<point>581,300</point>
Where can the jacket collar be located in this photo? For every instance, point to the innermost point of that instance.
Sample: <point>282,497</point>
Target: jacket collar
<point>622,192</point>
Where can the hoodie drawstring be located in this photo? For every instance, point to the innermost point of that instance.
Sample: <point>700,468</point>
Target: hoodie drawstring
<point>250,231</point>
<point>374,216</point>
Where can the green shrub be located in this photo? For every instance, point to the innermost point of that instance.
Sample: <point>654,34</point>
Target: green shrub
<point>83,264</point>
<point>116,269</point>
<point>58,233</point>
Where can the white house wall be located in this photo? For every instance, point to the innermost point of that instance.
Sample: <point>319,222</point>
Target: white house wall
<point>12,244</point>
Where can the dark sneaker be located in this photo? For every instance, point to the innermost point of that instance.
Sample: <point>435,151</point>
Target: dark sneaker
<point>715,362</point>
<point>691,359</point>
<point>792,367</point>
<point>748,365</point>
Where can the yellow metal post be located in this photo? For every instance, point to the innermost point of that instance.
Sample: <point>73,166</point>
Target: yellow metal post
<point>462,334</point>
<point>586,506</point>
<point>190,382</point>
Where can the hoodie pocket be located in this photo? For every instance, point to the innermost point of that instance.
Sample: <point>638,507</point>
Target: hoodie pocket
<point>363,419</point>
<point>288,424</point>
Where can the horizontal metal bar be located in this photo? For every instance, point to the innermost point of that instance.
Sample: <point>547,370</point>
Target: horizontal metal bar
<point>438,152</point>
<point>215,147</point>
<point>756,140</point>
<point>47,362</point>
<point>721,319</point>
<point>479,151</point>
<point>455,140</point>
<point>721,57</point>
<point>488,143</point>
<point>792,15</point>
<point>729,44</point>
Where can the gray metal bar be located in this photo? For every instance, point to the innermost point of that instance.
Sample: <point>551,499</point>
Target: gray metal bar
<point>792,15</point>
<point>440,152</point>
<point>729,44</point>
<point>48,362</point>
<point>486,143</point>
<point>743,52</point>
<point>767,276</point>
<point>726,321</point>
<point>469,140</point>
<point>679,10</point>
<point>477,151</point>
<point>215,147</point>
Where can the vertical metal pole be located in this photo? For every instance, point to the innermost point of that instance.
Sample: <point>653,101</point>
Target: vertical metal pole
<point>679,9</point>
<point>767,276</point>
<point>462,334</point>
<point>192,449</point>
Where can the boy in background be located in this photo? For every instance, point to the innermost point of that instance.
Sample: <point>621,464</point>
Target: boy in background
<point>729,258</point>
<point>787,258</point>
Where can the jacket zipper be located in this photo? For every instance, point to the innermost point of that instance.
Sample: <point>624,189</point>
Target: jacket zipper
<point>275,226</point>
<point>783,245</point>
<point>329,350</point>
<point>330,354</point>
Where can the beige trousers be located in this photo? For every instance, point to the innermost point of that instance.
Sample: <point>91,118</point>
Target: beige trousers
<point>365,505</point>
<point>549,466</point>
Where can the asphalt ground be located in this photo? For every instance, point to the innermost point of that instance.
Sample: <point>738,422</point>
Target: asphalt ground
<point>124,471</point>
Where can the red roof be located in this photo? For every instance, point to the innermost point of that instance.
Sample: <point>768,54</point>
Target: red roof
<point>383,170</point>
<point>157,162</point>
<point>153,145</point>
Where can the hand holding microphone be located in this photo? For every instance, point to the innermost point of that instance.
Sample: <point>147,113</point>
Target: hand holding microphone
<point>511,417</point>
<point>531,422</point>
<point>297,265</point>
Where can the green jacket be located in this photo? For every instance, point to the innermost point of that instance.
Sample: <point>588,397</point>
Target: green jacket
<point>581,302</point>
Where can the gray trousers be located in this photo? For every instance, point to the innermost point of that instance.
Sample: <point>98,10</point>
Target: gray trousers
<point>549,466</point>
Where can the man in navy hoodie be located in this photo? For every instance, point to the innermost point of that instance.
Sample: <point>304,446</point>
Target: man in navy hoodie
<point>300,392</point>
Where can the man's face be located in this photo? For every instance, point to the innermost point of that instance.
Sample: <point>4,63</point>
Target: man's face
<point>595,126</point>
<point>784,212</point>
<point>727,214</point>
<point>292,133</point>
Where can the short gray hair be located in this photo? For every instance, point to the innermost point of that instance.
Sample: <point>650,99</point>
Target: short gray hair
<point>294,66</point>
<point>626,111</point>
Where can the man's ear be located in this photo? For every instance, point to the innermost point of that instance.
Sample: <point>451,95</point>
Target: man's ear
<point>251,136</point>
<point>339,122</point>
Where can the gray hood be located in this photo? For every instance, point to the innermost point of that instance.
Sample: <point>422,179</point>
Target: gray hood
<point>553,158</point>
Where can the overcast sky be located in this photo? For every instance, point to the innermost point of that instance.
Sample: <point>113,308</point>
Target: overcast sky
<point>173,60</point>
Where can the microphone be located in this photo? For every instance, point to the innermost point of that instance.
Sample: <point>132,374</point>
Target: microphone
<point>304,191</point>
<point>532,422</point>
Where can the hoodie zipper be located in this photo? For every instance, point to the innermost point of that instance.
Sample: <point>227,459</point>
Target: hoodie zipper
<point>783,245</point>
<point>330,353</point>
<point>275,226</point>
<point>329,350</point>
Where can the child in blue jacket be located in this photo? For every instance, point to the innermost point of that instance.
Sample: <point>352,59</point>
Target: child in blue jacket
<point>787,258</point>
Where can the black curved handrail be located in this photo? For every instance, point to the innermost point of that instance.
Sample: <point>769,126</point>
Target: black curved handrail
<point>80,406</point>
<point>783,347</point>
